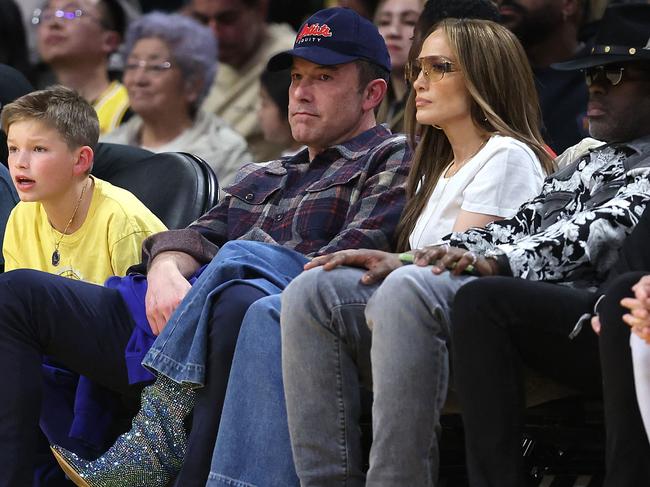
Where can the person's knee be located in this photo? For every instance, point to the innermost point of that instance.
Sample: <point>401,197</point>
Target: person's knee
<point>407,287</point>
<point>264,312</point>
<point>18,286</point>
<point>313,291</point>
<point>610,310</point>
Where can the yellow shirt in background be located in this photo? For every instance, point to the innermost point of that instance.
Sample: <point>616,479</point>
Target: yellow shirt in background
<point>111,106</point>
<point>107,244</point>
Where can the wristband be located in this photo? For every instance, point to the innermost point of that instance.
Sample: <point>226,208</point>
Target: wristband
<point>407,258</point>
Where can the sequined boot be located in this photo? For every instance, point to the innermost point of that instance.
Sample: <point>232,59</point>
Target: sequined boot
<point>148,455</point>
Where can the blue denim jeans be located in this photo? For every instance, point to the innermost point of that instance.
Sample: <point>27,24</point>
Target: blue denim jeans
<point>181,349</point>
<point>253,447</point>
<point>327,352</point>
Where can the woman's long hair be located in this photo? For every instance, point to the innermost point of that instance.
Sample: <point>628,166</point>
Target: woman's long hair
<point>500,82</point>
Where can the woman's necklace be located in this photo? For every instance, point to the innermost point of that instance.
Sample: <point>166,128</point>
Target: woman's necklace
<point>56,257</point>
<point>451,171</point>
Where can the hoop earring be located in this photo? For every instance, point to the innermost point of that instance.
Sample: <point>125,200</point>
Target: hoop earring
<point>436,127</point>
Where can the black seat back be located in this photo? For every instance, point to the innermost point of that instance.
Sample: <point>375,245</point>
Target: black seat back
<point>177,187</point>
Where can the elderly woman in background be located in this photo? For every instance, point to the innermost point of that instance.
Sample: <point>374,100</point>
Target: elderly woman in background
<point>396,20</point>
<point>170,64</point>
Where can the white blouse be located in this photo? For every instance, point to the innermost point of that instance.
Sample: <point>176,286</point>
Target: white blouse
<point>495,181</point>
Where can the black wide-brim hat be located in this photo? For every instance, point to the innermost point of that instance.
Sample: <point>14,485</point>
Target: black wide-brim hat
<point>623,35</point>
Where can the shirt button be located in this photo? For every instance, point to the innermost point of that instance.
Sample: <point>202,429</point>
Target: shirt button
<point>278,217</point>
<point>249,197</point>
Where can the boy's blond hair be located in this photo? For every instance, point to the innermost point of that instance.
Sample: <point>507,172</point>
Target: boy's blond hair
<point>57,107</point>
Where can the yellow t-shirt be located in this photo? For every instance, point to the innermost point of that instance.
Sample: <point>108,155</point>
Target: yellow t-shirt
<point>111,106</point>
<point>107,244</point>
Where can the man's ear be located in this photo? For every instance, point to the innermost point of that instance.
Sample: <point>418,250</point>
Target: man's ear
<point>84,160</point>
<point>374,94</point>
<point>111,41</point>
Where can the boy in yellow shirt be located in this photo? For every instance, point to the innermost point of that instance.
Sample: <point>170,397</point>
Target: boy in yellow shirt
<point>67,222</point>
<point>71,224</point>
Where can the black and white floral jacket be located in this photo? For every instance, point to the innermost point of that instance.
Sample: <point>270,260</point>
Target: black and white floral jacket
<point>571,233</point>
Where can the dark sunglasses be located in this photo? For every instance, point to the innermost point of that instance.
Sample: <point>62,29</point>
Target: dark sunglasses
<point>612,73</point>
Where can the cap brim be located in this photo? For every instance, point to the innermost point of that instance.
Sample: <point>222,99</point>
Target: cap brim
<point>597,60</point>
<point>316,55</point>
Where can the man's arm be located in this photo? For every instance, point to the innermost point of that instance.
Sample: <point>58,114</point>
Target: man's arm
<point>588,238</point>
<point>173,256</point>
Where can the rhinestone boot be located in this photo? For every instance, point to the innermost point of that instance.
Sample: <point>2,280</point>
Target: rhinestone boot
<point>150,454</point>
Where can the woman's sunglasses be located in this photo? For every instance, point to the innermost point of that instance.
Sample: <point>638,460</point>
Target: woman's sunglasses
<point>433,68</point>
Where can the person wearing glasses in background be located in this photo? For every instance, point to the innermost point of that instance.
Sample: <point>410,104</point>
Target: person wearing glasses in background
<point>75,39</point>
<point>170,64</point>
<point>579,241</point>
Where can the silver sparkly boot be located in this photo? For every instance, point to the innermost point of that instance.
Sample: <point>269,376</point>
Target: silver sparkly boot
<point>150,454</point>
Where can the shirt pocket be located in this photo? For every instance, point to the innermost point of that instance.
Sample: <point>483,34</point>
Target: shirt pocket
<point>326,205</point>
<point>553,206</point>
<point>249,205</point>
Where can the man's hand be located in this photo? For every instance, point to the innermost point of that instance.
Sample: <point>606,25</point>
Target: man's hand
<point>167,286</point>
<point>639,316</point>
<point>378,263</point>
<point>444,257</point>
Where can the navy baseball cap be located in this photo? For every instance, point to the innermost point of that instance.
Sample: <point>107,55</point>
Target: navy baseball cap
<point>335,36</point>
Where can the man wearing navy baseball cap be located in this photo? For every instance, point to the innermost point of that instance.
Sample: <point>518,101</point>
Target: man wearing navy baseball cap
<point>345,190</point>
<point>335,49</point>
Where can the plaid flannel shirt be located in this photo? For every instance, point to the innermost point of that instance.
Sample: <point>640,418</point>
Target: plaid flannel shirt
<point>350,196</point>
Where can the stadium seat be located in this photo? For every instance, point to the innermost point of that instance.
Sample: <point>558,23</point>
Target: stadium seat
<point>176,186</point>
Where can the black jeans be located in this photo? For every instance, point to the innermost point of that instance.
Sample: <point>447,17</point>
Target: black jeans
<point>627,448</point>
<point>83,326</point>
<point>86,327</point>
<point>500,323</point>
<point>228,312</point>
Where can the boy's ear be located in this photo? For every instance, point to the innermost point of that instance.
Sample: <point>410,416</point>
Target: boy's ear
<point>84,161</point>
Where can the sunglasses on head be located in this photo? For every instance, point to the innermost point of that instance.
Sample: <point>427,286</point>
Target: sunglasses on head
<point>433,68</point>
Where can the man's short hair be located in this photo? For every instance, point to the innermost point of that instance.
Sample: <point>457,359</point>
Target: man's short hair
<point>369,71</point>
<point>58,107</point>
<point>113,16</point>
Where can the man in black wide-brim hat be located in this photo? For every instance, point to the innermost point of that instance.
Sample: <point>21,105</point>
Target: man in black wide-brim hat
<point>501,323</point>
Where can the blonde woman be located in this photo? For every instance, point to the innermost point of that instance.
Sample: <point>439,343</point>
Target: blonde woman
<point>479,156</point>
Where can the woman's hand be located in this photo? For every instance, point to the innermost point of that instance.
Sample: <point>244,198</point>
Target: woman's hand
<point>444,257</point>
<point>378,262</point>
<point>639,316</point>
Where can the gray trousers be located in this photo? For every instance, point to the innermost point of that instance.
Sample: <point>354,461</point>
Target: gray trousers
<point>338,334</point>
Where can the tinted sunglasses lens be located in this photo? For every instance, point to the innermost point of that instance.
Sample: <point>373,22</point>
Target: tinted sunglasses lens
<point>412,71</point>
<point>613,75</point>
